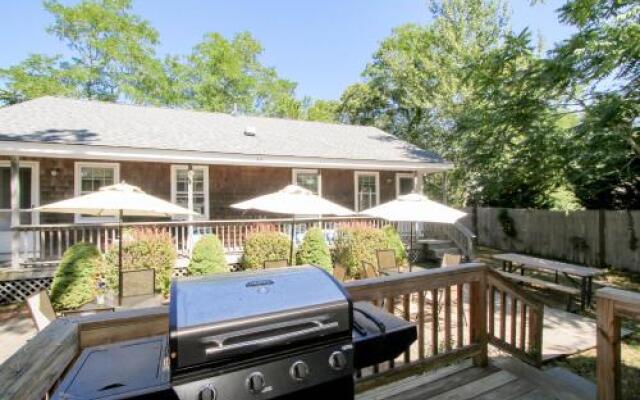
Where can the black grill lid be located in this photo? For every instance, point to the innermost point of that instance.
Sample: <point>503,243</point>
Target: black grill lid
<point>219,298</point>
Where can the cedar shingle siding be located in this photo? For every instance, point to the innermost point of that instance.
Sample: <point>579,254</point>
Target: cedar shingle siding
<point>227,184</point>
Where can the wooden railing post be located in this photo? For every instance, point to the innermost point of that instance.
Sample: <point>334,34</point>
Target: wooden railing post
<point>608,350</point>
<point>478,319</point>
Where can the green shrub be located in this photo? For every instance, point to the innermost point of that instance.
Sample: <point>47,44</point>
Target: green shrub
<point>314,250</point>
<point>76,279</point>
<point>208,257</point>
<point>144,249</point>
<point>265,246</point>
<point>394,242</point>
<point>353,246</point>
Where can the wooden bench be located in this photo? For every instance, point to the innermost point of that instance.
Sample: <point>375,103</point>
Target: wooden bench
<point>569,291</point>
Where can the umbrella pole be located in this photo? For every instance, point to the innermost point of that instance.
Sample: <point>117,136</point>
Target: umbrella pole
<point>410,246</point>
<point>293,229</point>
<point>120,258</point>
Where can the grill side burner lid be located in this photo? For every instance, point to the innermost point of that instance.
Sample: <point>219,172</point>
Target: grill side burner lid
<point>215,299</point>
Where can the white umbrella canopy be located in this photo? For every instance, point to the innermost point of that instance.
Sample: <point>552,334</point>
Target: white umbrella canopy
<point>415,208</point>
<point>117,200</point>
<point>293,200</point>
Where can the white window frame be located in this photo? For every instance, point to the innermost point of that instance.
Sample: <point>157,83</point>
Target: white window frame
<point>358,174</point>
<point>404,175</point>
<point>296,171</point>
<point>77,185</point>
<point>35,187</point>
<point>205,176</point>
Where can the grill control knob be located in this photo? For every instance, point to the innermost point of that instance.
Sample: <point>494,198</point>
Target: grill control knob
<point>255,382</point>
<point>207,393</point>
<point>299,371</point>
<point>337,360</point>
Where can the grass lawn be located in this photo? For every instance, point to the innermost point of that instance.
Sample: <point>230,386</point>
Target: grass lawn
<point>584,363</point>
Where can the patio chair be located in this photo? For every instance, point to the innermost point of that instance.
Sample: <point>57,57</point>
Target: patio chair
<point>387,261</point>
<point>449,260</point>
<point>370,270</point>
<point>138,286</point>
<point>41,309</point>
<point>275,263</point>
<point>43,314</point>
<point>339,272</point>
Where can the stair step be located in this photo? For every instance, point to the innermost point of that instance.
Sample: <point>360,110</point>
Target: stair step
<point>432,242</point>
<point>439,253</point>
<point>583,387</point>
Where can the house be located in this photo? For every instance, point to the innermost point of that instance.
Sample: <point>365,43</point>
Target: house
<point>66,147</point>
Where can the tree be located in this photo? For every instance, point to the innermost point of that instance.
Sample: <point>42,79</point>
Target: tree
<point>510,133</point>
<point>225,76</point>
<point>208,257</point>
<point>599,68</point>
<point>38,75</point>
<point>322,111</point>
<point>111,46</point>
<point>314,250</point>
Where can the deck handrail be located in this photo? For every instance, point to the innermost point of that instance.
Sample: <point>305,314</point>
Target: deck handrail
<point>612,305</point>
<point>456,296</point>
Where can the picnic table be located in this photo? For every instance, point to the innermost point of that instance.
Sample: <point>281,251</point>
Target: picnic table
<point>585,274</point>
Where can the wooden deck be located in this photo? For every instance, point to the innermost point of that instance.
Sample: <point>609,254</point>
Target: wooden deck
<point>504,379</point>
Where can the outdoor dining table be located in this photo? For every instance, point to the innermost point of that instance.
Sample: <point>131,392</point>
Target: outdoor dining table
<point>585,274</point>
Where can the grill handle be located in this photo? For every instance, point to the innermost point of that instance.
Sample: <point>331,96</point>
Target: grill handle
<point>273,339</point>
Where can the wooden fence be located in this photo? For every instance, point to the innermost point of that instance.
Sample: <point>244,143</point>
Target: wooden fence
<point>593,237</point>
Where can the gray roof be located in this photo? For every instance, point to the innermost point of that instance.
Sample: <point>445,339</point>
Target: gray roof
<point>71,121</point>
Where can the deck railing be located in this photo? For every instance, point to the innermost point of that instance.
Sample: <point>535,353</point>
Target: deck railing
<point>42,244</point>
<point>47,243</point>
<point>611,307</point>
<point>449,306</point>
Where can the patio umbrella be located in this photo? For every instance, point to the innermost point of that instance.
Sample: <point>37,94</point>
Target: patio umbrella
<point>117,200</point>
<point>294,200</point>
<point>413,208</point>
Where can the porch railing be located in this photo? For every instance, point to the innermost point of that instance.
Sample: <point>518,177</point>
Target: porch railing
<point>47,243</point>
<point>611,307</point>
<point>449,306</point>
<point>452,308</point>
<point>42,244</point>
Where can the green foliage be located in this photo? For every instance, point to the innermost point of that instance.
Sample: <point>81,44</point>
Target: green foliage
<point>353,246</point>
<point>603,157</point>
<point>144,249</point>
<point>111,52</point>
<point>38,75</point>
<point>265,246</point>
<point>322,110</point>
<point>394,242</point>
<point>314,250</point>
<point>75,281</point>
<point>208,257</point>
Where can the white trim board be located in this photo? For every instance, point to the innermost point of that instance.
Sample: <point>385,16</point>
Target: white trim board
<point>96,152</point>
<point>296,171</point>
<point>205,177</point>
<point>404,175</point>
<point>78,218</point>
<point>358,174</point>
<point>35,186</point>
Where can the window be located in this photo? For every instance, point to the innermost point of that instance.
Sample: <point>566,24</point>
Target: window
<point>180,188</point>
<point>90,177</point>
<point>308,179</point>
<point>367,190</point>
<point>404,183</point>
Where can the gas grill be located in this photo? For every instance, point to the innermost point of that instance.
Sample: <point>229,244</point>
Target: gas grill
<point>281,333</point>
<point>287,333</point>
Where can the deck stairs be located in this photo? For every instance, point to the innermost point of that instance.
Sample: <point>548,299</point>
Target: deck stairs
<point>505,378</point>
<point>434,249</point>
